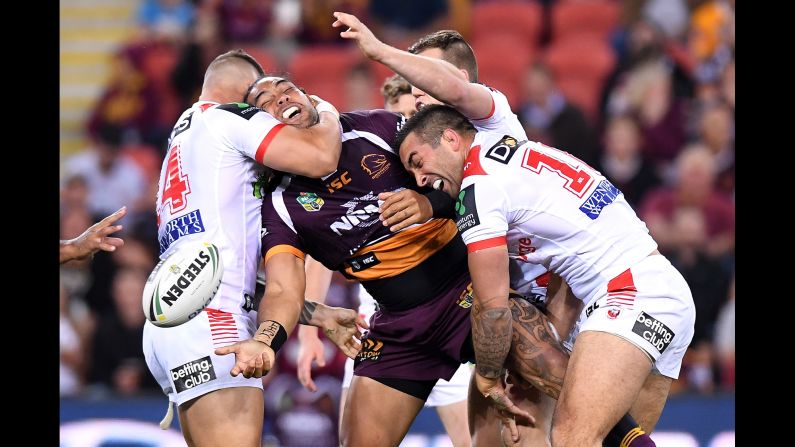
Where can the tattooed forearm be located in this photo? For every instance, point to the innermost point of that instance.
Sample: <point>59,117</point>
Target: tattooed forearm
<point>536,353</point>
<point>491,337</point>
<point>307,312</point>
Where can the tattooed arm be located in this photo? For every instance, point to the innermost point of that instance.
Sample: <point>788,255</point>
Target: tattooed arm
<point>491,332</point>
<point>491,317</point>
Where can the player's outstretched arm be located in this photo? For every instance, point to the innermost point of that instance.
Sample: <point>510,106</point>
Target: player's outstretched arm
<point>436,77</point>
<point>311,151</point>
<point>278,314</point>
<point>95,238</point>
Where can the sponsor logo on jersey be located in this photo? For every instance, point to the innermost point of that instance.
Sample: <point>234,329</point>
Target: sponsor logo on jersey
<point>466,297</point>
<point>363,262</point>
<point>375,165</point>
<point>356,215</point>
<point>371,349</point>
<point>182,126</point>
<point>503,150</point>
<point>240,109</point>
<point>589,310</point>
<point>653,331</point>
<point>604,194</point>
<point>259,187</point>
<point>339,182</point>
<point>190,223</point>
<point>193,374</point>
<point>466,210</point>
<point>310,201</point>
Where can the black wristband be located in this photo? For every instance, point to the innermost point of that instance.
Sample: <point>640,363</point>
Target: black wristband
<point>442,204</point>
<point>271,333</point>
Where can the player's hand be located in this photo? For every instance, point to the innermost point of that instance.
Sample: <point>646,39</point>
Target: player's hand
<point>404,208</point>
<point>96,238</point>
<point>368,43</point>
<point>508,412</point>
<point>341,326</point>
<point>252,358</point>
<point>321,105</point>
<point>310,348</point>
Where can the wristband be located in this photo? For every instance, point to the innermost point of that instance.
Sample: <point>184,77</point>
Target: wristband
<point>272,334</point>
<point>442,204</point>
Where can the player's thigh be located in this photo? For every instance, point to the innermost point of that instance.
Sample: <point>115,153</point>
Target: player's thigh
<point>377,415</point>
<point>651,400</point>
<point>604,377</point>
<point>454,419</point>
<point>228,416</point>
<point>449,398</point>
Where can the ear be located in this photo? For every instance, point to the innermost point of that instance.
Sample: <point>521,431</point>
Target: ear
<point>452,138</point>
<point>466,74</point>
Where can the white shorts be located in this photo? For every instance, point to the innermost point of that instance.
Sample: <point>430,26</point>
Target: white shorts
<point>182,358</point>
<point>649,305</point>
<point>444,393</point>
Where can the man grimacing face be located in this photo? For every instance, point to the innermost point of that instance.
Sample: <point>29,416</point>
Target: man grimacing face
<point>440,168</point>
<point>282,99</point>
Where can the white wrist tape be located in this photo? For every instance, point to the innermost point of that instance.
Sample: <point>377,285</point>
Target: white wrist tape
<point>327,107</point>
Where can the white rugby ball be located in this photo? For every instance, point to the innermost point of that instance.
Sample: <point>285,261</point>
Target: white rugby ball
<point>183,284</point>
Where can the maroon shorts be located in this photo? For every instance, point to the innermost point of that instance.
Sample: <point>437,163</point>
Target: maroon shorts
<point>428,342</point>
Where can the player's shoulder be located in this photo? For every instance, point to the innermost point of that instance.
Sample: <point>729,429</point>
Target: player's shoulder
<point>498,150</point>
<point>369,119</point>
<point>235,109</point>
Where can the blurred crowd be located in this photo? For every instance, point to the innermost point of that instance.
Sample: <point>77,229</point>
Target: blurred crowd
<point>643,90</point>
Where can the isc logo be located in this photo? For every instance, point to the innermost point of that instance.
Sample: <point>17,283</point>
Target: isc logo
<point>339,182</point>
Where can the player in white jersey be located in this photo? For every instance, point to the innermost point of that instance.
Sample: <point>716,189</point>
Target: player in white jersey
<point>524,202</point>
<point>207,192</point>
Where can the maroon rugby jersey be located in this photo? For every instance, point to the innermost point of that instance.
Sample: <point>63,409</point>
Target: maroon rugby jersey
<point>335,219</point>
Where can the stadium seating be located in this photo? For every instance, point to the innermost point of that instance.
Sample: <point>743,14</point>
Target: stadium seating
<point>322,71</point>
<point>503,66</point>
<point>580,65</point>
<point>595,17</point>
<point>519,20</point>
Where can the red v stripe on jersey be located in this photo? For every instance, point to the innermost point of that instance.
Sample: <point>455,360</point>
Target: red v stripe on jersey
<point>263,146</point>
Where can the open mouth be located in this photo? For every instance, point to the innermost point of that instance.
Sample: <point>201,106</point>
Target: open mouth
<point>438,184</point>
<point>290,112</point>
<point>419,105</point>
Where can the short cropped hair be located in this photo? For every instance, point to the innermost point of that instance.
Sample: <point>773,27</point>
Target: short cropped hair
<point>455,50</point>
<point>394,87</point>
<point>431,121</point>
<point>239,54</point>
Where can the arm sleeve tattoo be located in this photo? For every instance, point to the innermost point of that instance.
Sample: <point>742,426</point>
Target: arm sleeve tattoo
<point>491,337</point>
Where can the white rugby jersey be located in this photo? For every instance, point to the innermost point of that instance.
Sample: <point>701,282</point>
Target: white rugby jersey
<point>207,191</point>
<point>503,121</point>
<point>550,208</point>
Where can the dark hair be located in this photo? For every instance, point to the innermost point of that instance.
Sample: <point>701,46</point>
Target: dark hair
<point>430,122</point>
<point>238,54</point>
<point>395,86</point>
<point>454,48</point>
